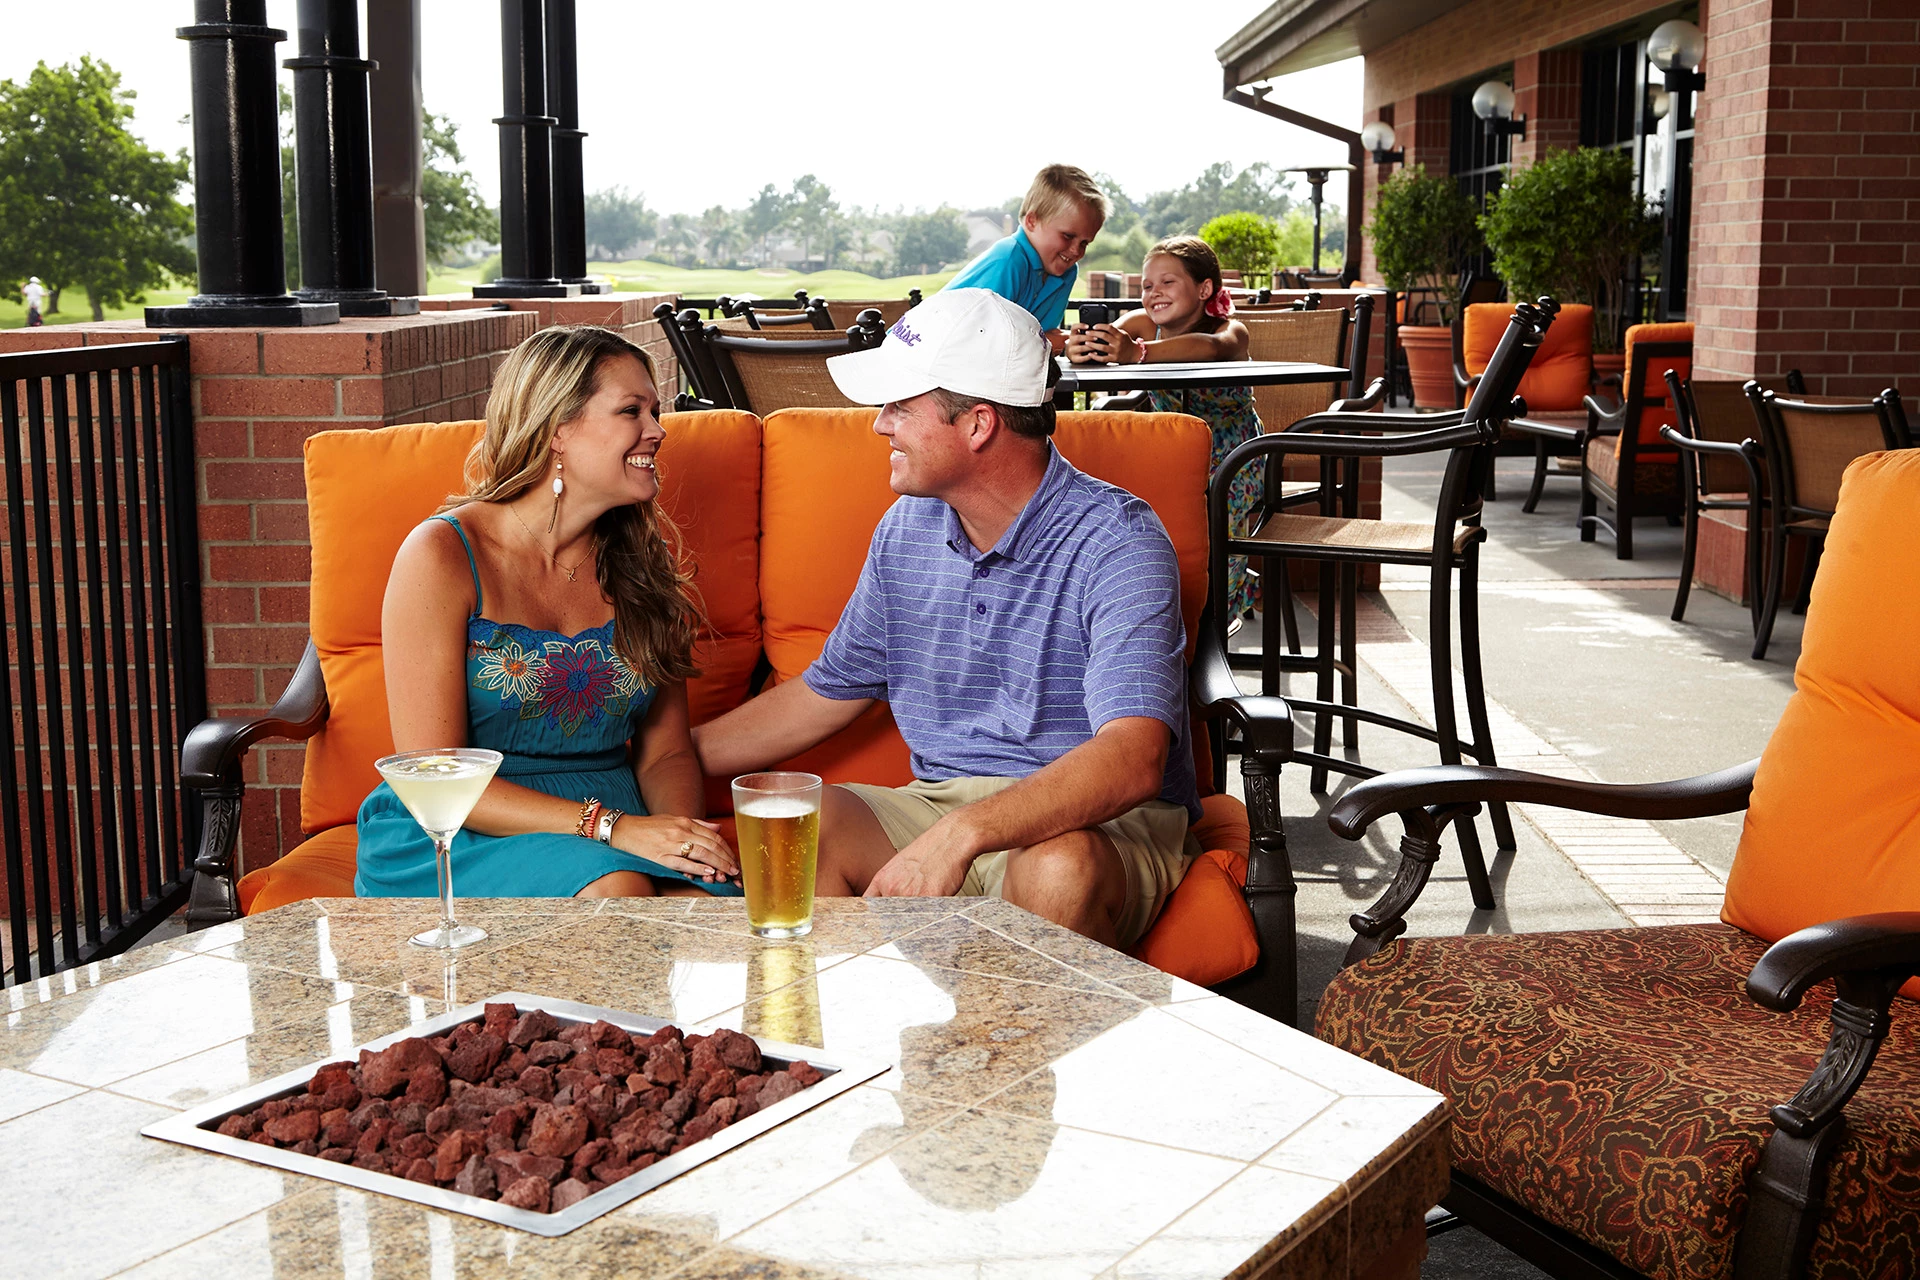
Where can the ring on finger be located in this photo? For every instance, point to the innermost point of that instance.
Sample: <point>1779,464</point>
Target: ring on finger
<point>686,850</point>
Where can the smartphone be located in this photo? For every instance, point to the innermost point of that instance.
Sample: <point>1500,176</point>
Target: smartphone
<point>1093,313</point>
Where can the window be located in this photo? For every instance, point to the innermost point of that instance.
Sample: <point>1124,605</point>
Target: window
<point>1477,159</point>
<point>1622,107</point>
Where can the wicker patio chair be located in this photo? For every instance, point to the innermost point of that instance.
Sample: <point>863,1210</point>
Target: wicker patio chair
<point>1721,468</point>
<point>843,314</point>
<point>705,389</point>
<point>1808,445</point>
<point>764,374</point>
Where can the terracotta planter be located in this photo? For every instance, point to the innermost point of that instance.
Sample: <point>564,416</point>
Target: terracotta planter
<point>1429,349</point>
<point>1604,365</point>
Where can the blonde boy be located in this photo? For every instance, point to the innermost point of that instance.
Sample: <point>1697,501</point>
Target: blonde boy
<point>1035,266</point>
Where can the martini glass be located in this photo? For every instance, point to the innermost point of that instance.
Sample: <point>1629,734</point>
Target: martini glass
<point>440,787</point>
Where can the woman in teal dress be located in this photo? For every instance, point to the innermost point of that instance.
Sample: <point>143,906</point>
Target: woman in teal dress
<point>545,615</point>
<point>1186,315</point>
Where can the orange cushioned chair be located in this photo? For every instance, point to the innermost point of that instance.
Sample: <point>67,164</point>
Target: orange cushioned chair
<point>747,501</point>
<point>1629,467</point>
<point>1668,1102</point>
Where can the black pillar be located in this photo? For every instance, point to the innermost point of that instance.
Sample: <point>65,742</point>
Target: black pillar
<point>399,216</point>
<point>236,177</point>
<point>333,163</point>
<point>569,178</point>
<point>526,161</point>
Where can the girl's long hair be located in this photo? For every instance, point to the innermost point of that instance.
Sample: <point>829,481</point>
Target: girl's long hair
<point>545,382</point>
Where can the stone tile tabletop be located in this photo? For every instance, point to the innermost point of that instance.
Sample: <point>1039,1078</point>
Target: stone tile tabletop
<point>1052,1109</point>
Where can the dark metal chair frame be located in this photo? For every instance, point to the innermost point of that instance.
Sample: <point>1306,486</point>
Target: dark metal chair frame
<point>1453,548</point>
<point>687,338</point>
<point>1791,516</point>
<point>720,346</point>
<point>1474,287</point>
<point>1696,450</point>
<point>812,313</point>
<point>1868,957</point>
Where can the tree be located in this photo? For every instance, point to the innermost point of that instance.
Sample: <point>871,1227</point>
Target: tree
<point>1422,232</point>
<point>1258,188</point>
<point>814,213</point>
<point>455,212</point>
<point>764,216</point>
<point>289,193</point>
<point>1245,242</point>
<point>82,201</point>
<point>616,222</point>
<point>720,231</point>
<point>928,241</point>
<point>677,237</point>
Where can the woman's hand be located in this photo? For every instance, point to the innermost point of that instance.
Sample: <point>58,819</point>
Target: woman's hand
<point>687,845</point>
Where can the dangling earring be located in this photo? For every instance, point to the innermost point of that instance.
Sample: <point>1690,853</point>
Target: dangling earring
<point>559,487</point>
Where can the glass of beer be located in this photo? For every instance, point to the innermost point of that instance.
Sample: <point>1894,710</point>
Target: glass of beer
<point>777,819</point>
<point>440,788</point>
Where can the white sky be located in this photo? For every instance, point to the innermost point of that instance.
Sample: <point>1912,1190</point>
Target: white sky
<point>923,106</point>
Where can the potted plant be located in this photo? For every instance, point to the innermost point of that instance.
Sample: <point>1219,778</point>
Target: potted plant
<point>1572,227</point>
<point>1423,230</point>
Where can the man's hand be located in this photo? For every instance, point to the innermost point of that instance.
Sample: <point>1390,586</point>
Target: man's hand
<point>933,866</point>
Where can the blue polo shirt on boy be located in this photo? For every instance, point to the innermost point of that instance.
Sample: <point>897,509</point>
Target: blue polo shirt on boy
<point>998,663</point>
<point>1011,268</point>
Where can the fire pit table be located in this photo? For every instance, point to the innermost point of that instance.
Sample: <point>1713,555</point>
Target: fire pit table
<point>1049,1107</point>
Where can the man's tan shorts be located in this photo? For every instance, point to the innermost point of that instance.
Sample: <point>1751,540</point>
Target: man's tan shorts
<point>1152,841</point>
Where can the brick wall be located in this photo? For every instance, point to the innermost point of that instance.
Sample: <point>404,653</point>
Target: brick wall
<point>1546,90</point>
<point>1807,193</point>
<point>629,313</point>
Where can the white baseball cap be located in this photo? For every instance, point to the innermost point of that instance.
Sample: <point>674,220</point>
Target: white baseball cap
<point>969,341</point>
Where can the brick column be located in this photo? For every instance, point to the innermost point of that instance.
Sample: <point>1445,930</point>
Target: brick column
<point>1806,169</point>
<point>630,314</point>
<point>1546,90</point>
<point>1428,131</point>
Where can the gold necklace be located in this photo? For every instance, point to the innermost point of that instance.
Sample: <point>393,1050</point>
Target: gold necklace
<point>556,559</point>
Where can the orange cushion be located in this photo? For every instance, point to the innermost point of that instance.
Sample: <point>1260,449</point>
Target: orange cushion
<point>1834,826</point>
<point>1205,932</point>
<point>710,478</point>
<point>1561,374</point>
<point>366,490</point>
<point>1658,410</point>
<point>322,867</point>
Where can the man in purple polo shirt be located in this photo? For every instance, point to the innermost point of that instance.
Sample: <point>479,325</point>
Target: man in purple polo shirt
<point>1022,619</point>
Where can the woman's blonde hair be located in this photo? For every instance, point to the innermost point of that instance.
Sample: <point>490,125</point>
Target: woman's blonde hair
<point>544,383</point>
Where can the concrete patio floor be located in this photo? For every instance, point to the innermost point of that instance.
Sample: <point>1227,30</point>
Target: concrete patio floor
<point>1586,677</point>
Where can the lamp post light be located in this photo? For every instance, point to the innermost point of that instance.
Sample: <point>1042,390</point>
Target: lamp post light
<point>1493,103</point>
<point>1675,49</point>
<point>1377,137</point>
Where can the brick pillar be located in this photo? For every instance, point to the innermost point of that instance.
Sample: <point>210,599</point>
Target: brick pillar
<point>1806,167</point>
<point>1428,131</point>
<point>1546,90</point>
<point>630,314</point>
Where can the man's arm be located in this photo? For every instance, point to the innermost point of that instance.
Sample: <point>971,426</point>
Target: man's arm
<point>776,726</point>
<point>1119,768</point>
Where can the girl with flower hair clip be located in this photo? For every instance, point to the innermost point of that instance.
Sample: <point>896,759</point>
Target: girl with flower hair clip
<point>1186,316</point>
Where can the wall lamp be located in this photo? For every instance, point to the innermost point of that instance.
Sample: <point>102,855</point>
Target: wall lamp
<point>1675,49</point>
<point>1493,102</point>
<point>1377,137</point>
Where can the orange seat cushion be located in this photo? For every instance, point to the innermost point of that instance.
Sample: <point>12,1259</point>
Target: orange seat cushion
<point>366,490</point>
<point>321,867</point>
<point>1561,374</point>
<point>1657,406</point>
<point>1833,829</point>
<point>710,488</point>
<point>1205,932</point>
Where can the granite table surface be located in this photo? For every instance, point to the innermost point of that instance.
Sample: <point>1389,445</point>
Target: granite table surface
<point>1053,1108</point>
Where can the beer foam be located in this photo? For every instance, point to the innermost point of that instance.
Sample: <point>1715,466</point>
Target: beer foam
<point>777,807</point>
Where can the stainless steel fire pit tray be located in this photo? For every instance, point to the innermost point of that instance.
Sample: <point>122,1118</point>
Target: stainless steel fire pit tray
<point>192,1128</point>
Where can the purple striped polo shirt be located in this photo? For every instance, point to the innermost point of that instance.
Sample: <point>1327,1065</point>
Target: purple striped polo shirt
<point>997,663</point>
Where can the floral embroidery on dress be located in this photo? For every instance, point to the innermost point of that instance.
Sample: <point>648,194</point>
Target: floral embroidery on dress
<point>574,681</point>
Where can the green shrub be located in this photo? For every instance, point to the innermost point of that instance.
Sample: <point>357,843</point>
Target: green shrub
<point>1423,232</point>
<point>1245,242</point>
<point>490,269</point>
<point>1571,226</point>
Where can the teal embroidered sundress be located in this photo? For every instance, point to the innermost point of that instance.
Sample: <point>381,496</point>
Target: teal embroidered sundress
<point>561,709</point>
<point>1230,412</point>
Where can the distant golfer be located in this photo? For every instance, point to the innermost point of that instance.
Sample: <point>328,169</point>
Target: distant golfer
<point>34,292</point>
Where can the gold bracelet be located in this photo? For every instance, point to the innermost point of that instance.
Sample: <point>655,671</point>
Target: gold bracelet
<point>589,811</point>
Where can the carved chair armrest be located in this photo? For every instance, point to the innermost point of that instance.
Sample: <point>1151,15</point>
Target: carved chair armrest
<point>1603,418</point>
<point>210,764</point>
<point>1462,380</point>
<point>1429,800</point>
<point>1869,958</point>
<point>1747,451</point>
<point>1365,402</point>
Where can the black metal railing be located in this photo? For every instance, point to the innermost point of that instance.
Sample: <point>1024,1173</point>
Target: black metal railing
<point>105,662</point>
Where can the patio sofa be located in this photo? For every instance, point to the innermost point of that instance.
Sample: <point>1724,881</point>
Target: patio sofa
<point>776,517</point>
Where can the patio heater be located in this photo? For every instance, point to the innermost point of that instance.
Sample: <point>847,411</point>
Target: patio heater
<point>526,161</point>
<point>1317,180</point>
<point>333,163</point>
<point>569,180</point>
<point>1675,49</point>
<point>236,178</point>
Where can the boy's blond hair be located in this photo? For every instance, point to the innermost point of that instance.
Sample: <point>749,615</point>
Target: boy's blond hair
<point>1059,185</point>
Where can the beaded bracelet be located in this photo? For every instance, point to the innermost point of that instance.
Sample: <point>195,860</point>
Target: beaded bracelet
<point>603,831</point>
<point>589,811</point>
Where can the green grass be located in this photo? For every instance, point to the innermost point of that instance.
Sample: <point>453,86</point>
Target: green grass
<point>74,308</point>
<point>655,277</point>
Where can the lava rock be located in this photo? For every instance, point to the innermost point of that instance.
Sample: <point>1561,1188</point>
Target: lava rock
<point>476,1179</point>
<point>568,1194</point>
<point>529,1193</point>
<point>735,1050</point>
<point>531,1026</point>
<point>290,1130</point>
<point>558,1131</point>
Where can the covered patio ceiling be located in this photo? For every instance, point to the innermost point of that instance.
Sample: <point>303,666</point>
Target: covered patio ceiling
<point>1294,35</point>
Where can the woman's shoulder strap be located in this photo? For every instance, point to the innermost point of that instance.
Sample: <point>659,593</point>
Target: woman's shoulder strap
<point>472,566</point>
